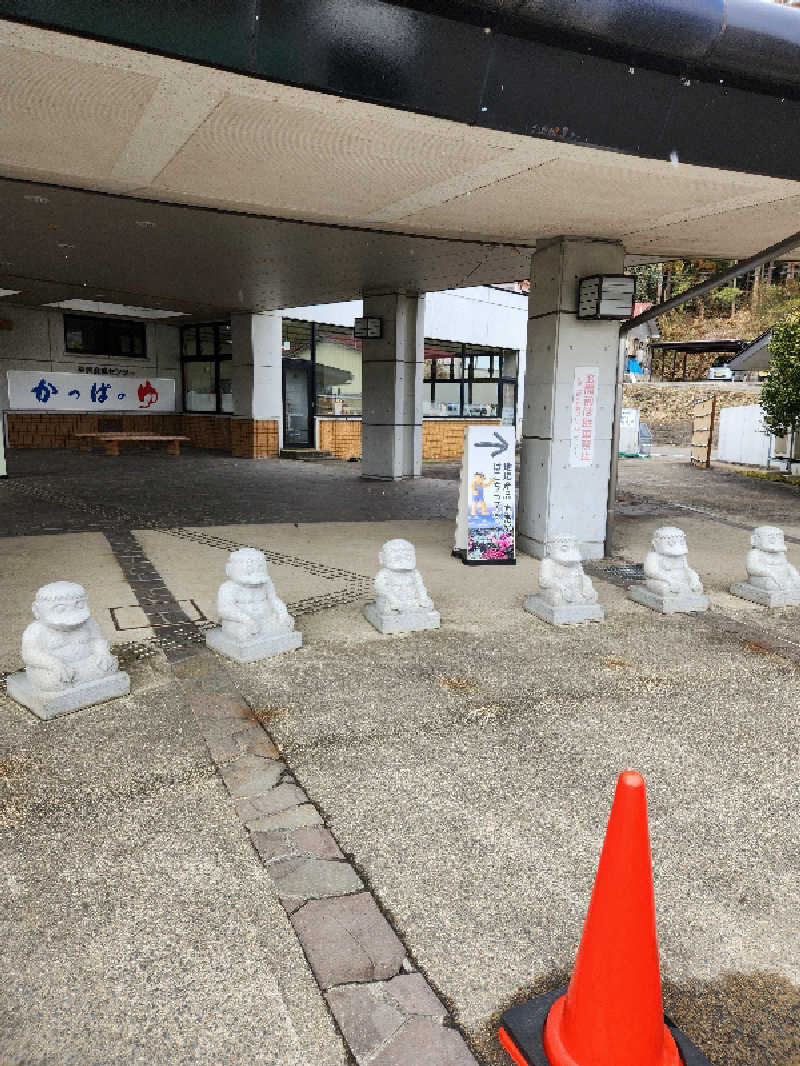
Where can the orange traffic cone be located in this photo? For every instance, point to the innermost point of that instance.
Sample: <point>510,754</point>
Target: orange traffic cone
<point>612,1013</point>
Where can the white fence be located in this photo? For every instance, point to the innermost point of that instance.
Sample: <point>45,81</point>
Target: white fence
<point>742,437</point>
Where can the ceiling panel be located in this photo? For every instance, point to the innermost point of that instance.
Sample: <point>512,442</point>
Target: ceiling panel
<point>296,161</point>
<point>63,243</point>
<point>66,114</point>
<point>568,196</point>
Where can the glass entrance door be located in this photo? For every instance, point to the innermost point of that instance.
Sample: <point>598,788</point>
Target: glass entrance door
<point>297,421</point>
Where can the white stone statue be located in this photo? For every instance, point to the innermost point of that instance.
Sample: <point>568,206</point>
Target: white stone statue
<point>771,578</point>
<point>566,595</point>
<point>255,622</point>
<point>401,603</point>
<point>67,662</point>
<point>671,586</point>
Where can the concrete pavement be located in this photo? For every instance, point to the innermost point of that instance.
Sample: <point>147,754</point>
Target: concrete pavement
<point>465,775</point>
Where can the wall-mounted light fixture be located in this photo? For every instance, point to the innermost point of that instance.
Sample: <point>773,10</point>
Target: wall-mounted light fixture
<point>371,328</point>
<point>606,296</point>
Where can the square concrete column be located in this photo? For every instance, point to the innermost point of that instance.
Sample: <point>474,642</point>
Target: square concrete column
<point>391,418</point>
<point>566,458</point>
<point>256,342</point>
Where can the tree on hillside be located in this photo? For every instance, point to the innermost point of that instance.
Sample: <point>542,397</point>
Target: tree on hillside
<point>780,393</point>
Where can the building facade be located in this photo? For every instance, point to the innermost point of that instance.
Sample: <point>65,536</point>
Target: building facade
<point>474,340</point>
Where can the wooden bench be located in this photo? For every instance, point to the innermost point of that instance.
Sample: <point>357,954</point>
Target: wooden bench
<point>112,440</point>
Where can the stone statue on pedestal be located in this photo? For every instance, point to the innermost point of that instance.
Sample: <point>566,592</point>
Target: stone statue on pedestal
<point>67,662</point>
<point>566,595</point>
<point>771,578</point>
<point>671,586</point>
<point>255,622</point>
<point>401,603</point>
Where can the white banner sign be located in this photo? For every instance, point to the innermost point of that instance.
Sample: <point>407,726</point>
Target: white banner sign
<point>584,408</point>
<point>38,390</point>
<point>485,525</point>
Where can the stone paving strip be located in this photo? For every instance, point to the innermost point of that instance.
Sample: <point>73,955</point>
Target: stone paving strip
<point>177,634</point>
<point>385,1009</point>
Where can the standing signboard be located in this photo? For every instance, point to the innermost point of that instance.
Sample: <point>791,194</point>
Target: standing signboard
<point>584,410</point>
<point>629,431</point>
<point>486,507</point>
<point>39,390</point>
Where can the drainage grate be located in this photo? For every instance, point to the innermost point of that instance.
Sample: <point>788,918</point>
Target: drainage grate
<point>631,571</point>
<point>618,573</point>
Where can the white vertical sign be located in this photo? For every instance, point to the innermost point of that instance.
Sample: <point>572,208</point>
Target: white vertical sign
<point>584,410</point>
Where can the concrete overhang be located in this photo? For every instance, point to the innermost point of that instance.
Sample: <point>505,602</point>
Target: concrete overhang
<point>265,194</point>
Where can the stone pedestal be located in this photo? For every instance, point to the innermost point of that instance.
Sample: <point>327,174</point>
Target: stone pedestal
<point>682,603</point>
<point>766,597</point>
<point>248,651</point>
<point>568,614</point>
<point>410,620</point>
<point>47,704</point>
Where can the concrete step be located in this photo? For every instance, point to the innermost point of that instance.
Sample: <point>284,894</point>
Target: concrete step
<point>305,453</point>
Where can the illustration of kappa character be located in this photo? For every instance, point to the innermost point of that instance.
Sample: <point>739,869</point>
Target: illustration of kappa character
<point>477,488</point>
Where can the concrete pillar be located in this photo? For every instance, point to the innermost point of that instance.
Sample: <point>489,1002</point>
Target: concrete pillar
<point>257,387</point>
<point>561,491</point>
<point>391,426</point>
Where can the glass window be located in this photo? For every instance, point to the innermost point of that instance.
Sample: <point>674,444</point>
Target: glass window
<point>481,400</point>
<point>483,364</point>
<point>104,336</point>
<point>200,385</point>
<point>206,340</point>
<point>439,360</point>
<point>463,380</point>
<point>207,367</point>
<point>188,340</point>
<point>446,401</point>
<point>509,363</point>
<point>226,386</point>
<point>337,367</point>
<point>508,410</point>
<point>126,338</point>
<point>296,339</point>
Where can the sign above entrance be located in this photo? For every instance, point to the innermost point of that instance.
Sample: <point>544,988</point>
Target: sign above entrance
<point>40,390</point>
<point>485,523</point>
<point>368,328</point>
<point>606,296</point>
